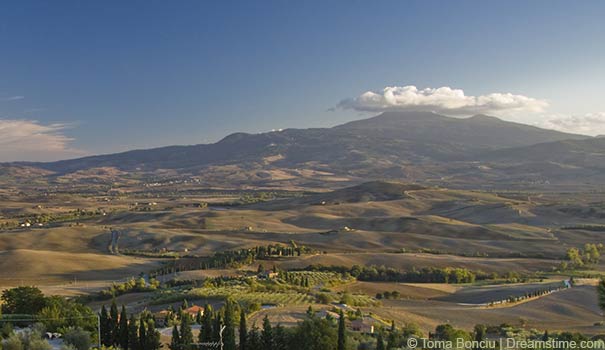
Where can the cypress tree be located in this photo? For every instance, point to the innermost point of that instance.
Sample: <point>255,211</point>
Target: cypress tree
<point>105,327</point>
<point>218,323</point>
<point>342,336</point>
<point>229,333</point>
<point>123,329</point>
<point>133,334</point>
<point>198,317</point>
<point>185,331</point>
<point>115,326</point>
<point>379,342</point>
<point>280,338</point>
<point>267,334</point>
<point>601,294</point>
<point>175,342</point>
<point>153,337</point>
<point>254,342</point>
<point>243,331</point>
<point>206,327</point>
<point>142,335</point>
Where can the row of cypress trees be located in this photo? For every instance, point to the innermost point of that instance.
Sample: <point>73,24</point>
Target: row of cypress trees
<point>312,333</point>
<point>118,330</point>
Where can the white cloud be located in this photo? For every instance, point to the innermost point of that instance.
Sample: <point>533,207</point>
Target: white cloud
<point>12,98</point>
<point>588,124</point>
<point>442,100</point>
<point>29,140</point>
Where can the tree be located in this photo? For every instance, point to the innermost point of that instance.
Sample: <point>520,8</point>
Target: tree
<point>206,326</point>
<point>78,338</point>
<point>142,335</point>
<point>310,312</point>
<point>592,253</point>
<point>13,343</point>
<point>133,334</point>
<point>574,257</point>
<point>114,325</point>
<point>243,331</point>
<point>346,298</point>
<point>105,327</point>
<point>314,334</point>
<point>379,342</point>
<point>39,344</point>
<point>123,329</point>
<point>153,337</point>
<point>342,336</point>
<point>601,294</point>
<point>253,341</point>
<point>175,342</point>
<point>280,337</point>
<point>480,331</point>
<point>185,332</point>
<point>229,333</point>
<point>216,327</point>
<point>267,334</point>
<point>22,300</point>
<point>6,330</point>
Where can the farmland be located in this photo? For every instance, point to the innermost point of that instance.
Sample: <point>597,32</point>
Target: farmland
<point>208,246</point>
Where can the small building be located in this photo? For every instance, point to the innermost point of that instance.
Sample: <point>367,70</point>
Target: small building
<point>194,310</point>
<point>268,274</point>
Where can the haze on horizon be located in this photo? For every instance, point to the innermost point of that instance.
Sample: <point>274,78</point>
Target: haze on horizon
<point>90,78</point>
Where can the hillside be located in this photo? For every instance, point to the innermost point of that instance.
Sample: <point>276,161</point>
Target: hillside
<point>413,146</point>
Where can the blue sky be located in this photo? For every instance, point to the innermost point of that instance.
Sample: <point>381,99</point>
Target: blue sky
<point>87,77</point>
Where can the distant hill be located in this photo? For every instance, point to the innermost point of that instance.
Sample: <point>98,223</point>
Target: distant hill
<point>410,146</point>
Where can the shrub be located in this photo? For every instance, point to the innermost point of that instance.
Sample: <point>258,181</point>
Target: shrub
<point>79,338</point>
<point>12,343</point>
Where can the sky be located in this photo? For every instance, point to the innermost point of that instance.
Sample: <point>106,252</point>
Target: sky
<point>93,77</point>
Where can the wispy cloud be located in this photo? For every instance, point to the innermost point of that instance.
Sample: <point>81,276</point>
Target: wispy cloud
<point>30,140</point>
<point>12,98</point>
<point>444,100</point>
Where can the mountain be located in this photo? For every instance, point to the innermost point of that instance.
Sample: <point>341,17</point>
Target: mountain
<point>479,131</point>
<point>413,146</point>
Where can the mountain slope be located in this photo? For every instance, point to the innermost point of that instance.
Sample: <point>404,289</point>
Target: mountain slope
<point>410,136</point>
<point>589,153</point>
<point>479,131</point>
<point>411,146</point>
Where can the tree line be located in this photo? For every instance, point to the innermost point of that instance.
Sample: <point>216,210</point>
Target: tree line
<point>232,258</point>
<point>120,331</point>
<point>388,274</point>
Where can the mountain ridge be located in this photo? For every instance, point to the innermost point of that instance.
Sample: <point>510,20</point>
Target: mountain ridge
<point>409,146</point>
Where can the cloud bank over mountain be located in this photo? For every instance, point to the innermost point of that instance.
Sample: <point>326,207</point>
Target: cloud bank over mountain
<point>444,100</point>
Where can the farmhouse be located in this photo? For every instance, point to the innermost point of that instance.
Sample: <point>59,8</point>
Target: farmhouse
<point>194,310</point>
